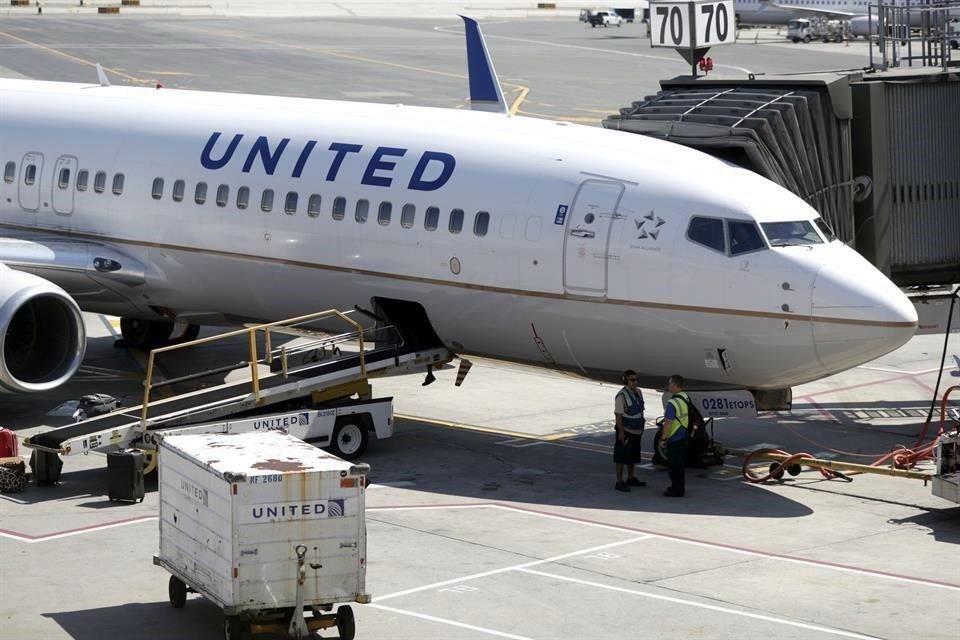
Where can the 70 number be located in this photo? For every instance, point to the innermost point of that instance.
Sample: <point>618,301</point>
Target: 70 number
<point>676,23</point>
<point>722,21</point>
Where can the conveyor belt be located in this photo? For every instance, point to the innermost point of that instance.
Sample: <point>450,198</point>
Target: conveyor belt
<point>231,398</point>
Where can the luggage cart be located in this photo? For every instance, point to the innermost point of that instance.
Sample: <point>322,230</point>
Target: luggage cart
<point>268,527</point>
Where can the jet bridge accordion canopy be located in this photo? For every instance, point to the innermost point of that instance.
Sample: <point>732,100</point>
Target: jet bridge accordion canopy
<point>795,133</point>
<point>877,154</point>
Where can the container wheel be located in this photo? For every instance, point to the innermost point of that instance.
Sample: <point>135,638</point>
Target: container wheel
<point>178,592</point>
<point>350,437</point>
<point>233,628</point>
<point>346,624</point>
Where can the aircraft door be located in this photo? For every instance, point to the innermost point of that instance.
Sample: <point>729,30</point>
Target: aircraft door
<point>585,245</point>
<point>64,174</point>
<point>31,170</point>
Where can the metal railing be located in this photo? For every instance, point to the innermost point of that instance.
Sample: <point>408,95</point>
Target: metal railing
<point>913,33</point>
<point>254,360</point>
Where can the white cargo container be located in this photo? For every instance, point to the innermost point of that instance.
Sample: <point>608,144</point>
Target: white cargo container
<point>266,526</point>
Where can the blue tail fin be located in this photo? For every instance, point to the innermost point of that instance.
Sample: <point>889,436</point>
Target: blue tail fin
<point>485,92</point>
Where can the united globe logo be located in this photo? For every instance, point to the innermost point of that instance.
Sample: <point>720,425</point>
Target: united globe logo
<point>334,508</point>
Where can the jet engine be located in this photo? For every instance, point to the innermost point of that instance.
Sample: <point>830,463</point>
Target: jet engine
<point>42,336</point>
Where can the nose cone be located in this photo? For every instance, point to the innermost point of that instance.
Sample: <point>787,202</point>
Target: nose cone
<point>859,315</point>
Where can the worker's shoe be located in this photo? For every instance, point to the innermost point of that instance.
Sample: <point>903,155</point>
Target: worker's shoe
<point>670,493</point>
<point>633,482</point>
<point>621,486</point>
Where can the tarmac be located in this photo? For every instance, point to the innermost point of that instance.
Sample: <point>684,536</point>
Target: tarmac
<point>492,511</point>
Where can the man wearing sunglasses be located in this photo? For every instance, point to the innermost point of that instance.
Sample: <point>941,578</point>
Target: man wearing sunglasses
<point>628,413</point>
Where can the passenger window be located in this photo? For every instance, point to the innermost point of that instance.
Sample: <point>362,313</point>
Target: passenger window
<point>30,174</point>
<point>83,176</point>
<point>179,189</point>
<point>290,204</point>
<point>383,215</point>
<point>157,191</point>
<point>432,218</point>
<point>10,172</point>
<point>266,201</point>
<point>313,206</point>
<point>200,193</point>
<point>223,195</point>
<point>363,208</point>
<point>64,180</point>
<point>117,184</point>
<point>339,208</point>
<point>480,223</point>
<point>243,197</point>
<point>100,181</point>
<point>744,237</point>
<point>708,232</point>
<point>456,221</point>
<point>408,216</point>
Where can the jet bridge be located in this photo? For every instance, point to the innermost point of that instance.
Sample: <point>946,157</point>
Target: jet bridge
<point>289,363</point>
<point>874,153</point>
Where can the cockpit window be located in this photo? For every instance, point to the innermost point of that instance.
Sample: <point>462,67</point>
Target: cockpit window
<point>744,237</point>
<point>786,234</point>
<point>708,232</point>
<point>825,229</point>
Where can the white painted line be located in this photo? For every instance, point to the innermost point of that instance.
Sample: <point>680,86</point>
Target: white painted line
<point>454,623</point>
<point>761,445</point>
<point>816,564</point>
<point>702,605</point>
<point>523,565</point>
<point>75,532</point>
<point>12,499</point>
<point>394,485</point>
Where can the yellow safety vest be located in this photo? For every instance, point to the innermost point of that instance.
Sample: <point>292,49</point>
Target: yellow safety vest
<point>682,419</point>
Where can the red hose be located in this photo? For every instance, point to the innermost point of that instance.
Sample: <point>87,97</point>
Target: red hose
<point>901,458</point>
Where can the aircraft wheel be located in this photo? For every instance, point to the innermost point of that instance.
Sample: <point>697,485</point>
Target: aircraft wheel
<point>350,437</point>
<point>145,334</point>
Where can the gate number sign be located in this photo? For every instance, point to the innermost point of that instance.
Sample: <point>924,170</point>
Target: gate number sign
<point>692,25</point>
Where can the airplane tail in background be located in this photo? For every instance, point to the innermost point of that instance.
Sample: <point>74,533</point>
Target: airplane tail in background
<point>485,91</point>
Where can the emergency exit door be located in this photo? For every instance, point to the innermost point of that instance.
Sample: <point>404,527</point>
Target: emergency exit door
<point>587,237</point>
<point>28,189</point>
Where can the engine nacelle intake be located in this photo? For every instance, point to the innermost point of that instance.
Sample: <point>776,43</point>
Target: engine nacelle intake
<point>42,336</point>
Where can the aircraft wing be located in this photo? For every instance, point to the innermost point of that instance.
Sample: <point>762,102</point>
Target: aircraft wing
<point>812,11</point>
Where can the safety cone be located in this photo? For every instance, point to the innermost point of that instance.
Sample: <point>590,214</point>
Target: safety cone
<point>462,371</point>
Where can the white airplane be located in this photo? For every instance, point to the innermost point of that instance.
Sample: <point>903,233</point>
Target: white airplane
<point>862,14</point>
<point>522,239</point>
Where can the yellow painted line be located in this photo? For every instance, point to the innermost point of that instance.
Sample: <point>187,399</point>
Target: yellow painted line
<point>169,73</point>
<point>73,58</point>
<point>556,117</point>
<point>479,429</point>
<point>349,56</point>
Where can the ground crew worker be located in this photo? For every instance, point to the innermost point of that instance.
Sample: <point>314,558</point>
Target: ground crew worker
<point>676,422</point>
<point>628,413</point>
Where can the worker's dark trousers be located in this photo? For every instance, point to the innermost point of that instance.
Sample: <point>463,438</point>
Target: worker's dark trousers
<point>676,456</point>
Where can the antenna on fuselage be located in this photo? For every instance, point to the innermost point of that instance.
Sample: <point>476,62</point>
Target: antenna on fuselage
<point>104,82</point>
<point>485,91</point>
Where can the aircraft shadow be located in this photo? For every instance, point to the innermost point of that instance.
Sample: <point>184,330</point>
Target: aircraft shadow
<point>470,465</point>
